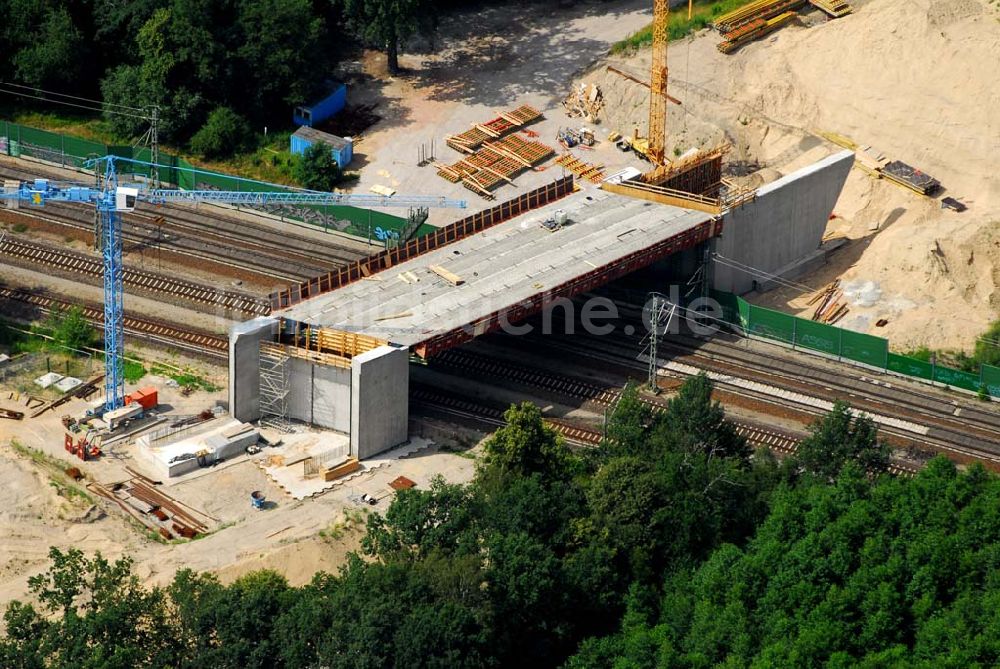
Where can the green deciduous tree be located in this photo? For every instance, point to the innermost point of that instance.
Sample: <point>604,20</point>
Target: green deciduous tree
<point>525,445</point>
<point>316,169</point>
<point>841,436</point>
<point>94,614</point>
<point>386,24</point>
<point>52,56</point>
<point>224,133</point>
<point>71,329</point>
<point>420,522</point>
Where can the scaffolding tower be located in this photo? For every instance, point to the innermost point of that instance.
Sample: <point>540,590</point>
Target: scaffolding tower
<point>274,374</point>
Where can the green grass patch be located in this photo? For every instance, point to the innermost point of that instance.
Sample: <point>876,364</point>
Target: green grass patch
<point>134,370</point>
<point>704,12</point>
<point>185,379</point>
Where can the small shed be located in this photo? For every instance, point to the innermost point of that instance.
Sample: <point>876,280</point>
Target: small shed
<point>316,113</point>
<point>341,148</point>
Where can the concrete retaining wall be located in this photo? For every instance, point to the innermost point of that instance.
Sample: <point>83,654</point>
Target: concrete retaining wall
<point>784,226</point>
<point>332,398</point>
<point>380,407</point>
<point>244,366</point>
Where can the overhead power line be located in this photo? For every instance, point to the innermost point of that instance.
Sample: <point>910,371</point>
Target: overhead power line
<point>90,108</point>
<point>72,97</point>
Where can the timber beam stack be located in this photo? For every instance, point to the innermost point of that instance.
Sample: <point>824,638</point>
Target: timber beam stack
<point>589,171</point>
<point>753,30</point>
<point>760,10</point>
<point>835,8</point>
<point>495,163</point>
<point>504,124</point>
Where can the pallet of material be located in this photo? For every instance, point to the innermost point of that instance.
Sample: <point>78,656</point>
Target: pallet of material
<point>753,31</point>
<point>503,124</point>
<point>835,8</point>
<point>758,10</point>
<point>910,177</point>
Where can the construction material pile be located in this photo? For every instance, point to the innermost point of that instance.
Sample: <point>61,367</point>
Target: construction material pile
<point>503,124</point>
<point>761,17</point>
<point>584,101</point>
<point>910,177</point>
<point>494,163</point>
<point>754,11</point>
<point>832,306</point>
<point>835,8</point>
<point>591,172</point>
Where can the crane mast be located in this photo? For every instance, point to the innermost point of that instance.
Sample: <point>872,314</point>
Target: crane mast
<point>658,83</point>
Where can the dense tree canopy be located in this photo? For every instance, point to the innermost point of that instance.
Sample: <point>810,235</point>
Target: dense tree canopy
<point>669,546</point>
<point>192,58</point>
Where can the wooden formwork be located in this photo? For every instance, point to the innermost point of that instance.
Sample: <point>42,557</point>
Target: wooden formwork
<point>835,8</point>
<point>589,171</point>
<point>495,163</point>
<point>503,124</point>
<point>699,173</point>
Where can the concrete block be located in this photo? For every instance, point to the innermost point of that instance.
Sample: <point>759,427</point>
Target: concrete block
<point>380,387</point>
<point>783,226</point>
<point>244,366</point>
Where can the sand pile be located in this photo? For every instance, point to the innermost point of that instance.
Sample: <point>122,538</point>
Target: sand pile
<point>917,80</point>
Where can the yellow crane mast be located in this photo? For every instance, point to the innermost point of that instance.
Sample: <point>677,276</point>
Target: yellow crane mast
<point>658,83</point>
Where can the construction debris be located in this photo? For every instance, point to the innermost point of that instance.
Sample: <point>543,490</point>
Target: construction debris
<point>584,101</point>
<point>503,124</point>
<point>11,414</point>
<point>831,309</point>
<point>589,171</point>
<point>953,204</point>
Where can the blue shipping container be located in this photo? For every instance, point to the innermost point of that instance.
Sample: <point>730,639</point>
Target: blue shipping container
<point>341,149</point>
<point>316,113</point>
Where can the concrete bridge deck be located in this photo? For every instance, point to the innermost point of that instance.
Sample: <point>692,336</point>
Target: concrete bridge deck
<point>507,272</point>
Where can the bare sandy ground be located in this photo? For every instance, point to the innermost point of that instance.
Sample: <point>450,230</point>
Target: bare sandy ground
<point>915,79</point>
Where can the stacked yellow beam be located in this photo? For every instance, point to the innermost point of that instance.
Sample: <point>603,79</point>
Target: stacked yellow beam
<point>755,30</point>
<point>835,8</point>
<point>759,9</point>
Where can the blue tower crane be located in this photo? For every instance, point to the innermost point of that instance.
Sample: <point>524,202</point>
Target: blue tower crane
<point>112,199</point>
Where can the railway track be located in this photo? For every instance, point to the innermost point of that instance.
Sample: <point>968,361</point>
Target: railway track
<point>150,282</point>
<point>757,436</point>
<point>202,343</point>
<point>209,235</point>
<point>492,416</point>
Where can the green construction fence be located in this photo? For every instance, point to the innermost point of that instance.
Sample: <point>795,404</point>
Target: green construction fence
<point>19,140</point>
<point>847,345</point>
